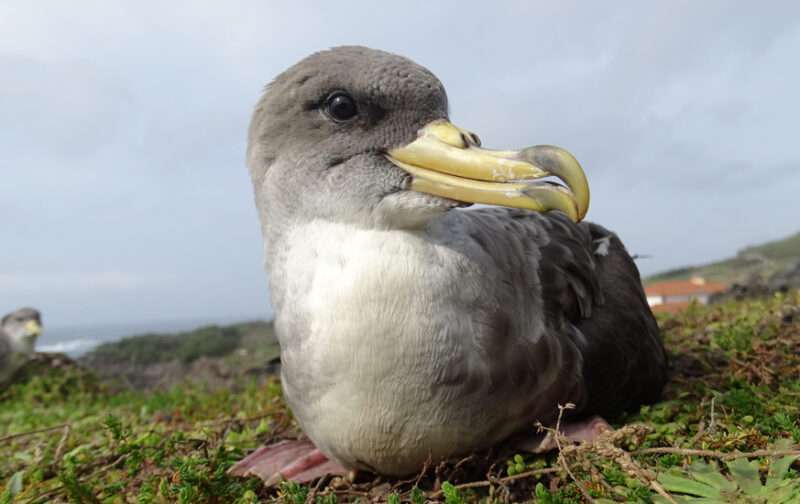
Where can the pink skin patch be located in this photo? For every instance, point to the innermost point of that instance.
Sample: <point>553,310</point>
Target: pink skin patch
<point>577,431</point>
<point>298,461</point>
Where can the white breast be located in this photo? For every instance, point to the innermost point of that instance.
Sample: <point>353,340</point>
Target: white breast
<point>359,378</point>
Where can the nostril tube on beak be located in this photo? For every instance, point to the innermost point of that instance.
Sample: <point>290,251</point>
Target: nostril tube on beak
<point>470,139</point>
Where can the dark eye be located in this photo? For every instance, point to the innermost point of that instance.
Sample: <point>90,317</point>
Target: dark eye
<point>341,107</point>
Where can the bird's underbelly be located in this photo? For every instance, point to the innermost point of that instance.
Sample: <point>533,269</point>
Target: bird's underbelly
<point>385,407</point>
<point>387,420</point>
<point>377,349</point>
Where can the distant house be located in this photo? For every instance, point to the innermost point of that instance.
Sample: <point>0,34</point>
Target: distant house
<point>675,295</point>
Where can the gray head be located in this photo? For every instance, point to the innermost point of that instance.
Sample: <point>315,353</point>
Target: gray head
<point>319,136</point>
<point>361,136</point>
<point>22,327</point>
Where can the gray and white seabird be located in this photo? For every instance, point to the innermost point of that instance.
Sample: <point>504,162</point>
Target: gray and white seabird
<point>410,330</point>
<point>18,333</point>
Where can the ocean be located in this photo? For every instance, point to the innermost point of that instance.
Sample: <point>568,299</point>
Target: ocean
<point>79,339</point>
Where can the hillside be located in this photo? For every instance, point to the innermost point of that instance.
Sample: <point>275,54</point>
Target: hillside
<point>760,261</point>
<point>211,355</point>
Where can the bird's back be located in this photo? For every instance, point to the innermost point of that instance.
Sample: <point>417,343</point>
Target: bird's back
<point>592,301</point>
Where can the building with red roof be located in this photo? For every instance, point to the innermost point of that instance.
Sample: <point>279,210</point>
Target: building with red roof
<point>675,295</point>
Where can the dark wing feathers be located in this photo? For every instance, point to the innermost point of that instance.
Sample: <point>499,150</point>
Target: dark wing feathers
<point>592,294</point>
<point>570,285</point>
<point>590,279</point>
<point>625,364</point>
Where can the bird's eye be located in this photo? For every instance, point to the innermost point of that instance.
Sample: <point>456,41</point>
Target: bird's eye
<point>340,107</point>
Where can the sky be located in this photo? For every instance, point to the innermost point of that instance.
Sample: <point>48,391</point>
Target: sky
<point>123,191</point>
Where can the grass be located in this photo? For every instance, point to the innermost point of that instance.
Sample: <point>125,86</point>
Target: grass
<point>64,436</point>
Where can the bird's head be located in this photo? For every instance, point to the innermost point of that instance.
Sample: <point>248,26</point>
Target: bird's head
<point>362,136</point>
<point>23,327</point>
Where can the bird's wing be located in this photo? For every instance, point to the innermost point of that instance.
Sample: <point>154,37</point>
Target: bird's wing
<point>625,364</point>
<point>591,298</point>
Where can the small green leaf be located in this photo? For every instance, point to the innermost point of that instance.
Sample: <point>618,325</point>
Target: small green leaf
<point>14,485</point>
<point>709,474</point>
<point>24,457</point>
<point>679,484</point>
<point>263,427</point>
<point>778,467</point>
<point>417,496</point>
<point>451,494</point>
<point>541,492</point>
<point>746,475</point>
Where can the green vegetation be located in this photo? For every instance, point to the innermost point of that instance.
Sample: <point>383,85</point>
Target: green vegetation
<point>210,341</point>
<point>212,356</point>
<point>743,483</point>
<point>761,261</point>
<point>727,430</point>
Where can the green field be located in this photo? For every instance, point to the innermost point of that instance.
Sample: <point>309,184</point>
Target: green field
<point>727,430</point>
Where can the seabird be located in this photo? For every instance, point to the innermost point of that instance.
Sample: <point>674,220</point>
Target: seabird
<point>18,332</point>
<point>412,330</point>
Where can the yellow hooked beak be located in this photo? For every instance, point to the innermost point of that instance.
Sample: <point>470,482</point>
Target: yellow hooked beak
<point>33,328</point>
<point>447,161</point>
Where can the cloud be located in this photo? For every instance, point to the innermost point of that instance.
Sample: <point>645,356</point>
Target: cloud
<point>123,130</point>
<point>71,282</point>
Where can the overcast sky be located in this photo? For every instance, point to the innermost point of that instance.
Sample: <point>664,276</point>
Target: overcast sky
<point>124,196</point>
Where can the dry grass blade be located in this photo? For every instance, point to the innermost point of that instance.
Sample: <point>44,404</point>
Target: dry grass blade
<point>32,432</point>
